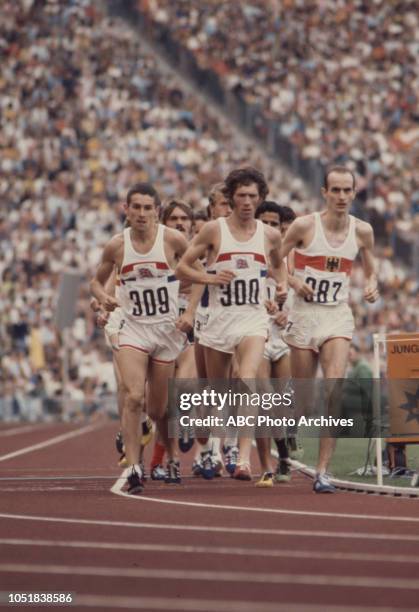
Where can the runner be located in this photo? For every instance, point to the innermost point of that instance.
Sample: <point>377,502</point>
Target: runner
<point>239,250</point>
<point>177,215</point>
<point>145,255</point>
<point>320,324</point>
<point>276,362</point>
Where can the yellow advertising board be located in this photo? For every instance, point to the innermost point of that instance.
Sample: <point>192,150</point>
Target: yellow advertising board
<point>403,384</point>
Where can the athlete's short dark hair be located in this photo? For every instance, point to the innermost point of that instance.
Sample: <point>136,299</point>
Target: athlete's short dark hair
<point>268,206</point>
<point>144,189</point>
<point>287,215</point>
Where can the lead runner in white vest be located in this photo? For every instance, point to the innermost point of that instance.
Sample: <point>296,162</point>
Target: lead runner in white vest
<point>237,309</point>
<point>239,250</point>
<point>144,255</point>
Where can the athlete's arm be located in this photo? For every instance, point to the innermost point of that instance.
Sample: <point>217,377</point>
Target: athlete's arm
<point>111,283</point>
<point>102,276</point>
<point>293,236</point>
<point>366,237</point>
<point>293,239</point>
<point>189,268</point>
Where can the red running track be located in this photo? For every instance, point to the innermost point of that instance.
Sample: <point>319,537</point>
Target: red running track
<point>220,545</point>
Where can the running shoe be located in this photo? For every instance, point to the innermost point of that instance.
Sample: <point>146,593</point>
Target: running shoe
<point>134,483</point>
<point>322,484</point>
<point>231,455</point>
<point>242,471</point>
<point>196,468</point>
<point>295,448</point>
<point>157,472</point>
<point>266,481</point>
<point>283,472</point>
<point>172,472</point>
<point>207,465</point>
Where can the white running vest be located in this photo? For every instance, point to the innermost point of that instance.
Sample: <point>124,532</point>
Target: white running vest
<point>246,292</point>
<point>149,290</point>
<point>325,268</point>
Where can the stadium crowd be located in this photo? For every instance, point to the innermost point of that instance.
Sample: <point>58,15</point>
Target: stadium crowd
<point>84,113</point>
<point>340,77</point>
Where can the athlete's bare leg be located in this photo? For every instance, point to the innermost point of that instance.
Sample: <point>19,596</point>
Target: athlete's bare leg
<point>157,401</point>
<point>200,360</point>
<point>333,360</point>
<point>217,363</point>
<point>249,355</point>
<point>304,363</point>
<point>282,367</point>
<point>119,386</point>
<point>132,365</point>
<point>185,364</point>
<point>264,444</point>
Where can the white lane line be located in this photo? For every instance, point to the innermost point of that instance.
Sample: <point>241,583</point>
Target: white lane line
<point>308,533</point>
<point>214,550</point>
<point>50,442</point>
<point>17,430</point>
<point>119,483</point>
<point>35,488</point>
<point>214,605</point>
<point>160,573</point>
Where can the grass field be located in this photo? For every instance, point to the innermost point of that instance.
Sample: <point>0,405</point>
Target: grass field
<point>351,454</point>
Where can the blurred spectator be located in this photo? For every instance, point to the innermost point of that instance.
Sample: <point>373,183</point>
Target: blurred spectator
<point>341,78</point>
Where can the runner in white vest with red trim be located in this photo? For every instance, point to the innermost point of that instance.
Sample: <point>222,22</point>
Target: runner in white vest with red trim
<point>144,255</point>
<point>320,324</point>
<point>239,250</point>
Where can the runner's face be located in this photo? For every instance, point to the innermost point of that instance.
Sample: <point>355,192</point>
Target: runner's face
<point>340,192</point>
<point>270,218</point>
<point>221,207</point>
<point>179,220</point>
<point>246,199</point>
<point>141,212</point>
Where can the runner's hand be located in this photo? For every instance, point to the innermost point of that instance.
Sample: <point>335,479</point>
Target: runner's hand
<point>94,304</point>
<point>185,322</point>
<point>110,303</point>
<point>271,307</point>
<point>302,289</point>
<point>281,293</point>
<point>223,277</point>
<point>102,318</point>
<point>371,293</point>
<point>281,319</point>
